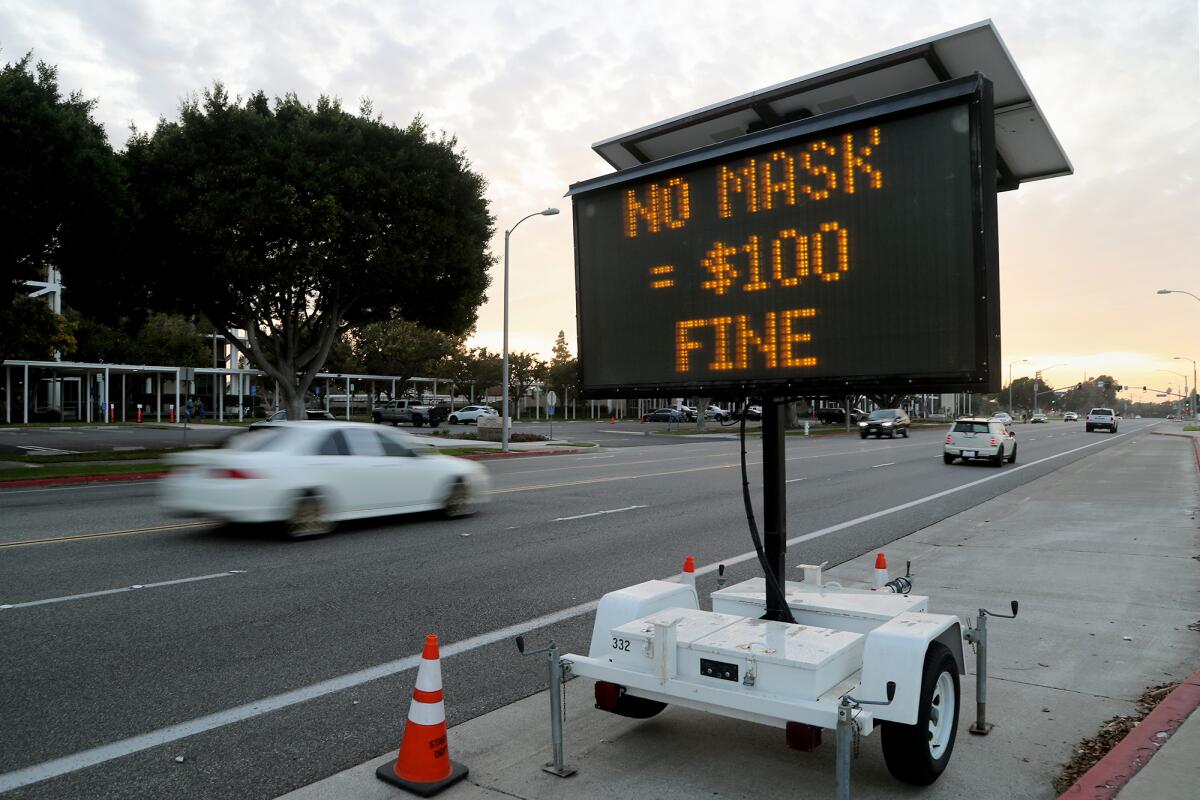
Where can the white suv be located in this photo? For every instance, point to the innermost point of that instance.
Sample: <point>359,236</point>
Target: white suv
<point>1101,418</point>
<point>976,438</point>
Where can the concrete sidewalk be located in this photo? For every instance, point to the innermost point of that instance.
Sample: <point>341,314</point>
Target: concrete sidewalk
<point>1100,556</point>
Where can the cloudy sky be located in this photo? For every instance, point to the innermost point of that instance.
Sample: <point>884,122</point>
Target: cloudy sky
<point>528,86</point>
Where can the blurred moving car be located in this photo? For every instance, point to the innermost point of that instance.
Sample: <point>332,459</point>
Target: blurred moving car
<point>1042,418</point>
<point>664,415</point>
<point>471,414</point>
<point>313,415</point>
<point>310,477</point>
<point>1070,416</point>
<point>719,414</point>
<point>975,438</point>
<point>885,422</point>
<point>686,412</point>
<point>1004,417</point>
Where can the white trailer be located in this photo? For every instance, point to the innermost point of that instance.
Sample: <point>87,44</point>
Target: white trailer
<point>854,660</point>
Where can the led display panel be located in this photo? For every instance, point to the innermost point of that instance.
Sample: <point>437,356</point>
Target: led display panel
<point>852,251</point>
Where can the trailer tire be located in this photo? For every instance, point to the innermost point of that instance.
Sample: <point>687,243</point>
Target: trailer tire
<point>918,754</point>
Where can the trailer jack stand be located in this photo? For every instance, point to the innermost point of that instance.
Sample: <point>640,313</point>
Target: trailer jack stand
<point>846,730</point>
<point>558,668</point>
<point>977,637</point>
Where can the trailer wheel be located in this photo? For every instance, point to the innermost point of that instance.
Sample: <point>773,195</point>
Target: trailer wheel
<point>918,754</point>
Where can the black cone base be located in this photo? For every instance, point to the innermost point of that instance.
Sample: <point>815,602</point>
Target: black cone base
<point>387,773</point>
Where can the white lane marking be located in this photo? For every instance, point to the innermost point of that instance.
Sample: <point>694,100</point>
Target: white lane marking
<point>136,744</point>
<point>102,485</point>
<point>597,513</point>
<point>593,458</point>
<point>794,480</point>
<point>38,450</point>
<point>888,464</point>
<point>623,433</point>
<point>133,588</point>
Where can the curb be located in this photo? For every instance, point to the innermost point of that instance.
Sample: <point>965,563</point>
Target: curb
<point>135,476</point>
<point>1195,442</point>
<point>1110,774</point>
<point>519,453</point>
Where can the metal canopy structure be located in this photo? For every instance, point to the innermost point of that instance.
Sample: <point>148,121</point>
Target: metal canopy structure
<point>1026,147</point>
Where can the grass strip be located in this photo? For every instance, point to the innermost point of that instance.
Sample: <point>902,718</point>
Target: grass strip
<point>102,455</point>
<point>69,471</point>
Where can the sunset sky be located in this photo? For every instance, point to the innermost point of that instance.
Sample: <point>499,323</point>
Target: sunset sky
<point>527,87</point>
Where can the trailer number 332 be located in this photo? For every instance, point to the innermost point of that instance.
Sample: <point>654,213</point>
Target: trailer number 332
<point>621,644</point>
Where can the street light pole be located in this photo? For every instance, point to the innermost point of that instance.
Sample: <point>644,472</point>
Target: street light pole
<point>549,212</point>
<point>1010,366</point>
<point>1192,396</point>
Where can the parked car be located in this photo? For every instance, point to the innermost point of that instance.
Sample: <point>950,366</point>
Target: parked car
<point>471,414</point>
<point>313,415</point>
<point>1004,417</point>
<point>837,416</point>
<point>1101,418</point>
<point>1070,416</point>
<point>396,411</point>
<point>972,438</point>
<point>885,422</point>
<point>1038,418</point>
<point>719,414</point>
<point>438,414</point>
<point>664,415</point>
<point>311,477</point>
<point>686,412</point>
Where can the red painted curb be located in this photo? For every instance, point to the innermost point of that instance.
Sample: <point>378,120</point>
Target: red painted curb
<point>1106,779</point>
<point>136,476</point>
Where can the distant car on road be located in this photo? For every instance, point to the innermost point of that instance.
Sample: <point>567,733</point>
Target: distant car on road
<point>719,414</point>
<point>311,477</point>
<point>987,439</point>
<point>471,414</point>
<point>1004,417</point>
<point>664,415</point>
<point>686,412</point>
<point>313,415</point>
<point>837,416</point>
<point>1038,418</point>
<point>1101,418</point>
<point>885,422</point>
<point>1070,416</point>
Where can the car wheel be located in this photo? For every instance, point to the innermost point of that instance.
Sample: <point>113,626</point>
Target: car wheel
<point>998,460</point>
<point>918,754</point>
<point>453,420</point>
<point>458,502</point>
<point>891,434</point>
<point>308,518</point>
<point>1089,428</point>
<point>947,458</point>
<point>1013,458</point>
<point>863,435</point>
<point>376,419</point>
<point>905,432</point>
<point>418,421</point>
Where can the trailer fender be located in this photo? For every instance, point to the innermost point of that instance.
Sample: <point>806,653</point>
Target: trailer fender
<point>625,605</point>
<point>895,652</point>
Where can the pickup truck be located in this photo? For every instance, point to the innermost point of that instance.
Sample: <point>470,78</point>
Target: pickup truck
<point>397,411</point>
<point>1101,418</point>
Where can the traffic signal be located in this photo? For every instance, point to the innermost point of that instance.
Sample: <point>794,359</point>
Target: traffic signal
<point>1143,388</point>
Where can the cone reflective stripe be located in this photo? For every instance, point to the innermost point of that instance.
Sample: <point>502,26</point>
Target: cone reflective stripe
<point>423,765</point>
<point>881,572</point>
<point>688,575</point>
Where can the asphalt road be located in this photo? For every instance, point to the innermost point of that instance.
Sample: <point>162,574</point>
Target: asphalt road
<point>281,663</point>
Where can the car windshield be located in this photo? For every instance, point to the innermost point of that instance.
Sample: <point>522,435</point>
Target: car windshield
<point>883,413</point>
<point>258,440</point>
<point>970,427</point>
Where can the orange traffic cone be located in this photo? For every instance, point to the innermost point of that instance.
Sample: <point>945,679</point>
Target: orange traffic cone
<point>688,575</point>
<point>881,573</point>
<point>424,766</point>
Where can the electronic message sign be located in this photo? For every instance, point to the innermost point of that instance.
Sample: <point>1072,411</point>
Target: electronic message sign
<point>852,251</point>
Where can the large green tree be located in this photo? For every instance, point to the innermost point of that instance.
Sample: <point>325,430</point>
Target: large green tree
<point>297,223</point>
<point>562,374</point>
<point>402,348</point>
<point>61,193</point>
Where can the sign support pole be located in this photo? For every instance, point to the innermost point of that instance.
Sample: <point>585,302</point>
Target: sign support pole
<point>774,500</point>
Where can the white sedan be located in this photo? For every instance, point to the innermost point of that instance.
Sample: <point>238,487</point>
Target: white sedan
<point>310,477</point>
<point>471,414</point>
